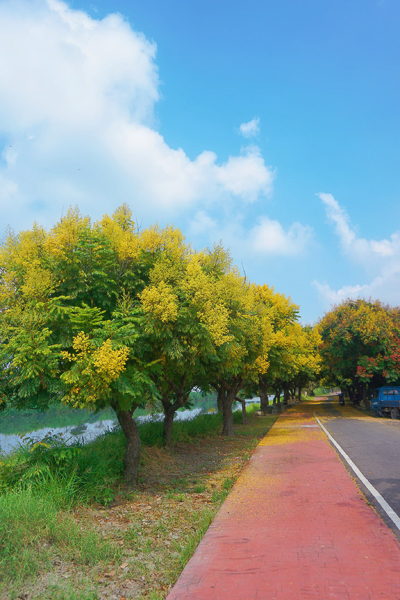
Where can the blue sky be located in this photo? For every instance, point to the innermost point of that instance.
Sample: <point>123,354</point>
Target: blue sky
<point>272,125</point>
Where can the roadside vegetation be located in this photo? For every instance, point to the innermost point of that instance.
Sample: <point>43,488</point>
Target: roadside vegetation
<point>71,528</point>
<point>104,318</point>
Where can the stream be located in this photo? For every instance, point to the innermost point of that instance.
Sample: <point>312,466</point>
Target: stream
<point>89,431</point>
<point>85,432</point>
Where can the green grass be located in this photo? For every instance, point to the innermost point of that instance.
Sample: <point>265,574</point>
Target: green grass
<point>33,529</point>
<point>85,473</point>
<point>201,522</point>
<point>183,431</point>
<point>320,391</point>
<point>69,475</point>
<point>55,593</point>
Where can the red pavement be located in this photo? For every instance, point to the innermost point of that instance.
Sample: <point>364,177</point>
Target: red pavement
<point>294,527</point>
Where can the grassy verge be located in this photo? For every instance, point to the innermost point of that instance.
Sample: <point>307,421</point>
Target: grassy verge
<point>35,534</point>
<point>136,544</point>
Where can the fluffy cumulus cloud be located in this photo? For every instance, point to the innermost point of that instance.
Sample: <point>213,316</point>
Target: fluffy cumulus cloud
<point>77,98</point>
<point>380,260</point>
<point>250,129</point>
<point>266,238</point>
<point>269,237</point>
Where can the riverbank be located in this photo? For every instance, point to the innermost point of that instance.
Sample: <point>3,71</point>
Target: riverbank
<point>141,541</point>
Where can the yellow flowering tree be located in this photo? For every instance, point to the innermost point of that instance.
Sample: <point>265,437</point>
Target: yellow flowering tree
<point>185,322</point>
<point>68,330</point>
<point>237,362</point>
<point>282,314</point>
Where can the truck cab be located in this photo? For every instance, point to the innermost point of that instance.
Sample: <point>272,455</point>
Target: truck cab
<point>386,401</point>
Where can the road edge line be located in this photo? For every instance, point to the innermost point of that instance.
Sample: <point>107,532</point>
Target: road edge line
<point>381,501</point>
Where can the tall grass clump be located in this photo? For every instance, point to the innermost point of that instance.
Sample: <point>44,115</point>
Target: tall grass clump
<point>33,529</point>
<point>183,431</point>
<point>68,474</point>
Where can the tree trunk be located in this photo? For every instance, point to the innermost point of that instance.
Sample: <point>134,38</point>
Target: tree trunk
<point>220,399</point>
<point>227,414</point>
<point>229,397</point>
<point>357,394</point>
<point>276,403</point>
<point>299,396</point>
<point>132,454</point>
<point>168,423</point>
<point>349,393</point>
<point>263,395</point>
<point>366,399</point>
<point>285,397</point>
<point>180,395</point>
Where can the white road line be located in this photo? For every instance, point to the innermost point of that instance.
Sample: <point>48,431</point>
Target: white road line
<point>388,509</point>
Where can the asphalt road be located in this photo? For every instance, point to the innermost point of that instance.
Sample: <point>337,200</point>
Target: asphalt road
<point>373,444</point>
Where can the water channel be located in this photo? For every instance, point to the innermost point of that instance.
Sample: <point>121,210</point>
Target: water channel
<point>89,431</point>
<point>85,432</point>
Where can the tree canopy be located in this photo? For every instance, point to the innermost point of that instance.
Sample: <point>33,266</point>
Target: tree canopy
<point>360,341</point>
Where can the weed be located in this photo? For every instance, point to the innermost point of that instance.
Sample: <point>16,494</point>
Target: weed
<point>202,426</point>
<point>67,474</point>
<point>201,522</point>
<point>228,484</point>
<point>199,489</point>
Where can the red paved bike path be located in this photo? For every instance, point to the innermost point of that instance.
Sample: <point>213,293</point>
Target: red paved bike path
<point>294,527</point>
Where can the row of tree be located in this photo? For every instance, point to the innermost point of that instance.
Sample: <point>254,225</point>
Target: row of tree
<point>105,314</point>
<point>360,348</point>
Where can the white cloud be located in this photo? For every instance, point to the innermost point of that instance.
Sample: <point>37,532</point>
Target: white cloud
<point>380,260</point>
<point>77,98</point>
<point>339,218</point>
<point>245,175</point>
<point>269,237</point>
<point>203,224</point>
<point>250,129</point>
<point>266,238</point>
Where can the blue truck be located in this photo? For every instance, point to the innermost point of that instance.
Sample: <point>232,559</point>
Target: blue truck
<point>386,401</point>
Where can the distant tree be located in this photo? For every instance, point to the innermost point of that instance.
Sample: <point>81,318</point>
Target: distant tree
<point>359,346</point>
<point>282,314</point>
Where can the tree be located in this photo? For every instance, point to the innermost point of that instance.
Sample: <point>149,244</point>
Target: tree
<point>183,326</point>
<point>68,332</point>
<point>359,342</point>
<point>238,362</point>
<point>282,314</point>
